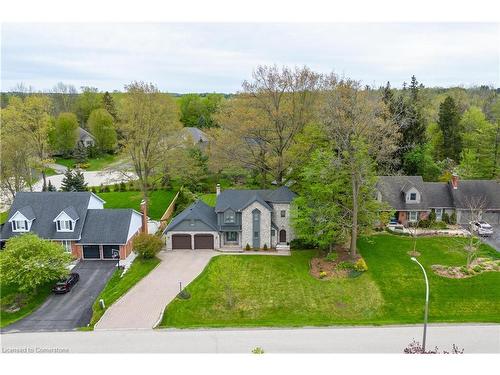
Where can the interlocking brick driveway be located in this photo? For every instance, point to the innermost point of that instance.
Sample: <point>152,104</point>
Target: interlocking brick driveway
<point>142,306</point>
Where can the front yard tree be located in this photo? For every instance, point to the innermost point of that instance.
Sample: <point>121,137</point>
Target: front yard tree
<point>150,129</point>
<point>28,262</point>
<point>65,133</point>
<point>146,246</point>
<point>103,129</point>
<point>358,137</point>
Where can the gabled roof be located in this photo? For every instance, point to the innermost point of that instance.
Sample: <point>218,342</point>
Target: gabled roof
<point>438,195</point>
<point>107,226</point>
<point>70,211</point>
<point>82,133</point>
<point>239,199</point>
<point>199,210</point>
<point>26,211</point>
<point>46,206</point>
<point>486,191</point>
<point>393,188</point>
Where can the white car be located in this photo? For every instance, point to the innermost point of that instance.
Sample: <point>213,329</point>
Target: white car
<point>482,228</point>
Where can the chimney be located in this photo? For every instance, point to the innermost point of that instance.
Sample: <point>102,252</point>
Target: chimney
<point>217,189</point>
<point>454,181</point>
<point>144,211</point>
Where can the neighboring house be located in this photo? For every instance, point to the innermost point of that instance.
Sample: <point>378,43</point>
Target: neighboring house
<point>77,220</point>
<point>257,218</point>
<point>85,138</point>
<point>413,199</point>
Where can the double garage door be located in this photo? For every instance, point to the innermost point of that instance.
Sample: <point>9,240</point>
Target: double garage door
<point>94,252</point>
<point>201,241</point>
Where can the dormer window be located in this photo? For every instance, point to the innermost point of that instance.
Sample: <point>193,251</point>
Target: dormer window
<point>20,226</point>
<point>64,225</point>
<point>66,220</point>
<point>413,196</point>
<point>22,219</point>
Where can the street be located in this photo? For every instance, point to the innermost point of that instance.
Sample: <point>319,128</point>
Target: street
<point>391,339</point>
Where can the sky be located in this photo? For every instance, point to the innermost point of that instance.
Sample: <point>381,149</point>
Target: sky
<point>218,57</point>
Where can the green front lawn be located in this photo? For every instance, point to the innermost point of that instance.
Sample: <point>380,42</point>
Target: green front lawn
<point>278,291</point>
<point>28,303</point>
<point>209,199</point>
<point>95,164</point>
<point>159,201</point>
<point>118,286</point>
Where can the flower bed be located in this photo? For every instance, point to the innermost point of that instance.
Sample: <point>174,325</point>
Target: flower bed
<point>338,264</point>
<point>478,266</point>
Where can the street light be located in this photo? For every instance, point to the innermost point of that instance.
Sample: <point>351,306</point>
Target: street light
<point>426,301</point>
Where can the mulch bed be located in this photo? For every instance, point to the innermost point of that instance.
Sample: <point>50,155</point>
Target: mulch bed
<point>320,264</point>
<point>477,267</point>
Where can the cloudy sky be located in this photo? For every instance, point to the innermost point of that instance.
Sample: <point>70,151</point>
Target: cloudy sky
<point>217,57</point>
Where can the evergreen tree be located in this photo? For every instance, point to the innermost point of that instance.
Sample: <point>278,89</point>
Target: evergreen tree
<point>67,182</point>
<point>80,154</point>
<point>109,105</point>
<point>449,123</point>
<point>51,187</point>
<point>73,181</point>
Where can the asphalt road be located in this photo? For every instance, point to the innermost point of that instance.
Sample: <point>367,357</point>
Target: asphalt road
<point>392,339</point>
<point>71,310</point>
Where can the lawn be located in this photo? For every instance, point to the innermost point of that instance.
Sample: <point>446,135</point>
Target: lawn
<point>118,286</point>
<point>209,199</point>
<point>95,164</point>
<point>29,304</point>
<point>278,291</point>
<point>159,201</point>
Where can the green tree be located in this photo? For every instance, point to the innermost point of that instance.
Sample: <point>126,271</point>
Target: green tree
<point>86,102</point>
<point>65,133</point>
<point>198,111</point>
<point>28,261</point>
<point>419,162</point>
<point>102,128</point>
<point>449,123</point>
<point>146,246</point>
<point>80,154</point>
<point>109,105</point>
<point>73,181</point>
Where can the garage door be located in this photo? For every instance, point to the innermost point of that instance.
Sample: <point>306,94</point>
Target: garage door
<point>491,217</point>
<point>203,241</point>
<point>181,241</point>
<point>91,252</point>
<point>110,251</point>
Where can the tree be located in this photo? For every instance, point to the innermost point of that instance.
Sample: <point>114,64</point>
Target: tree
<point>259,127</point>
<point>109,105</point>
<point>65,133</point>
<point>198,111</point>
<point>73,181</point>
<point>87,101</point>
<point>150,130</point>
<point>146,246</point>
<point>449,123</point>
<point>80,153</point>
<point>419,162</point>
<point>51,187</point>
<point>102,128</point>
<point>28,262</point>
<point>475,206</point>
<point>63,97</point>
<point>359,137</point>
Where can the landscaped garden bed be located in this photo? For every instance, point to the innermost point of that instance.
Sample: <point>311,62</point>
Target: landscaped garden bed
<point>477,267</point>
<point>337,264</point>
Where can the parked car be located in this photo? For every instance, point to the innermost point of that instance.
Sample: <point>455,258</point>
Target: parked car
<point>482,228</point>
<point>64,286</point>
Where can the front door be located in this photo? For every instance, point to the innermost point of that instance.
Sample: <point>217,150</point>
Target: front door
<point>282,236</point>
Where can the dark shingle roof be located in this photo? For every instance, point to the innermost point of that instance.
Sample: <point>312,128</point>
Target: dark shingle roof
<point>199,210</point>
<point>46,206</point>
<point>487,191</point>
<point>71,212</point>
<point>239,199</point>
<point>106,226</point>
<point>438,194</point>
<point>27,212</point>
<point>392,187</point>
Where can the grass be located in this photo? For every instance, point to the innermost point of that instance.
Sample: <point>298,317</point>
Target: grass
<point>30,304</point>
<point>95,164</point>
<point>118,286</point>
<point>278,291</point>
<point>209,199</point>
<point>159,201</point>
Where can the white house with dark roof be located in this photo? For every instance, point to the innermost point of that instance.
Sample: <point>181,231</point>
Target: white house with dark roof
<point>78,220</point>
<point>257,218</point>
<point>413,199</point>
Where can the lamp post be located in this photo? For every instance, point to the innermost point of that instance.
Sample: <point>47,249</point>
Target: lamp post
<point>426,311</point>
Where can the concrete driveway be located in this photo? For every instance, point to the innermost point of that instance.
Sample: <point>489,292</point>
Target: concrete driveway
<point>68,311</point>
<point>142,307</point>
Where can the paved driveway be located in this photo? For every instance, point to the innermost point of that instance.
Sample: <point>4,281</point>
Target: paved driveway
<point>494,240</point>
<point>71,310</point>
<point>143,305</point>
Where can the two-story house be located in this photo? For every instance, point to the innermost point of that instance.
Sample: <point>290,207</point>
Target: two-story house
<point>240,218</point>
<point>77,220</point>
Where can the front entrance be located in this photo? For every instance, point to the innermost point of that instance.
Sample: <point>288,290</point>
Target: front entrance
<point>282,236</point>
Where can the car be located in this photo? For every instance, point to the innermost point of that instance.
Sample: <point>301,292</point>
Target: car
<point>482,228</point>
<point>64,286</point>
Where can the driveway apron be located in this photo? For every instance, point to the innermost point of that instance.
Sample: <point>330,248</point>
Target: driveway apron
<point>143,305</point>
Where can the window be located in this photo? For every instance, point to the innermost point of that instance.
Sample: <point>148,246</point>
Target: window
<point>439,214</point>
<point>67,245</point>
<point>413,215</point>
<point>283,213</point>
<point>231,236</point>
<point>19,226</point>
<point>413,196</point>
<point>64,226</point>
<point>273,232</point>
<point>256,234</point>
<point>229,216</point>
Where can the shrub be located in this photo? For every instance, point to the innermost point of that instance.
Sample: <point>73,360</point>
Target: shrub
<point>332,256</point>
<point>106,189</point>
<point>446,218</point>
<point>265,247</point>
<point>258,350</point>
<point>300,243</point>
<point>439,225</point>
<point>93,190</point>
<point>345,266</point>
<point>322,274</point>
<point>477,268</point>
<point>432,216</point>
<point>101,188</point>
<point>82,165</point>
<point>453,218</point>
<point>247,247</point>
<point>425,223</point>
<point>361,265</point>
<point>116,187</point>
<point>123,187</point>
<point>146,246</point>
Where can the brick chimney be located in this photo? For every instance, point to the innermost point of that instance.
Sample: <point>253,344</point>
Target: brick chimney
<point>217,189</point>
<point>144,211</point>
<point>454,180</point>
